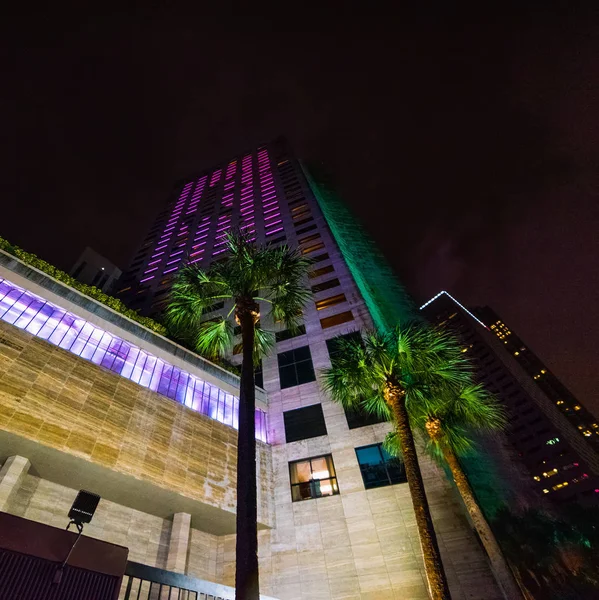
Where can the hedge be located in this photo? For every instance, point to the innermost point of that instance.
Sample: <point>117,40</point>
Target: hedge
<point>89,290</point>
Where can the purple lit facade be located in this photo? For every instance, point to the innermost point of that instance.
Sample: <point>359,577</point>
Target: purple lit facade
<point>49,322</point>
<point>242,193</point>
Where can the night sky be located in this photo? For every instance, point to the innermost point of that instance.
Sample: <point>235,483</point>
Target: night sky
<point>467,146</point>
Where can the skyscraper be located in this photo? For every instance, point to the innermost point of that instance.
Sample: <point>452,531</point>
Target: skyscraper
<point>344,521</point>
<point>548,428</point>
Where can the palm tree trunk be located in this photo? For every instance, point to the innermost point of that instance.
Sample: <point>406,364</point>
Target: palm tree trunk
<point>501,570</point>
<point>437,581</point>
<point>246,549</point>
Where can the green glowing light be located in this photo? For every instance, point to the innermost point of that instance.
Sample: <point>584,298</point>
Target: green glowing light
<point>387,301</point>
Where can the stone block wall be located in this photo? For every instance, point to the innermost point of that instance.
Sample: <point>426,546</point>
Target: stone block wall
<point>146,536</point>
<point>54,398</point>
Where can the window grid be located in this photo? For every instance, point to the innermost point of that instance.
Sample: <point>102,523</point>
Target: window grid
<point>313,478</point>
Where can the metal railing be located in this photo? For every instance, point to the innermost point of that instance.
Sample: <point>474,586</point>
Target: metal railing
<point>142,582</point>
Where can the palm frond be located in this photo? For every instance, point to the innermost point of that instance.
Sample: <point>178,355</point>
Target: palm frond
<point>264,342</point>
<point>214,338</point>
<point>193,291</point>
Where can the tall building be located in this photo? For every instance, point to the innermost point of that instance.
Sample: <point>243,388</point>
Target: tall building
<point>92,268</point>
<point>548,428</point>
<point>151,427</point>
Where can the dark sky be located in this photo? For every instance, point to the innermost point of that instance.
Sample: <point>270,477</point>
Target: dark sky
<point>468,146</point>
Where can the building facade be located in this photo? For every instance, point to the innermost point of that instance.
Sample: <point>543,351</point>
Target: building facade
<point>93,269</point>
<point>336,519</point>
<point>548,429</point>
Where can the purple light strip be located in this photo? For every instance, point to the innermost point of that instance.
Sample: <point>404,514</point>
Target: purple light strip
<point>218,252</point>
<point>274,230</point>
<point>170,270</point>
<point>150,270</point>
<point>177,253</point>
<point>172,262</point>
<point>147,278</point>
<point>157,254</point>
<point>49,322</point>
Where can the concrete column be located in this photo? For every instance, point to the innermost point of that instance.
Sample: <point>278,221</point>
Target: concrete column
<point>12,474</point>
<point>178,544</point>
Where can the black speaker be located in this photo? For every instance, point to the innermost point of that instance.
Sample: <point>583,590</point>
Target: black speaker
<point>84,507</point>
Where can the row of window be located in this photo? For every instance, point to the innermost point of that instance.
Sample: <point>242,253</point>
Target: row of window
<point>316,477</point>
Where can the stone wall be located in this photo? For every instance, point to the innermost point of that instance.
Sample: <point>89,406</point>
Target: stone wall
<point>65,403</point>
<point>146,536</point>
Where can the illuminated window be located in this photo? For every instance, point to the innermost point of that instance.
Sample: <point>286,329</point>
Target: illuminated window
<point>338,319</point>
<point>312,248</point>
<point>577,407</point>
<point>321,271</point>
<point>330,301</point>
<point>378,467</point>
<point>313,478</point>
<point>309,238</point>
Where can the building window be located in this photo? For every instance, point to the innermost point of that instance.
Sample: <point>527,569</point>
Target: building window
<point>287,334</point>
<point>295,367</point>
<point>325,285</point>
<point>313,478</point>
<point>312,248</point>
<point>320,257</point>
<point>82,266</point>
<point>344,317</point>
<point>321,271</point>
<point>378,467</point>
<point>309,238</point>
<point>214,307</point>
<point>304,423</point>
<point>306,229</point>
<point>330,301</point>
<point>360,418</point>
<point>303,221</point>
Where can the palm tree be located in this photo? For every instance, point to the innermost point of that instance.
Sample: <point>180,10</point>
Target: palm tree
<point>246,271</point>
<point>448,420</point>
<point>386,373</point>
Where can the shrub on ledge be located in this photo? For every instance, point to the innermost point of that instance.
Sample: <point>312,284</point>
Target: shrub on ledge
<point>89,290</point>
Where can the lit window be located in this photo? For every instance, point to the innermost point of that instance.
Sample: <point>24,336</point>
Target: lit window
<point>378,467</point>
<point>313,248</point>
<point>321,271</point>
<point>577,407</point>
<point>313,478</point>
<point>330,301</point>
<point>338,319</point>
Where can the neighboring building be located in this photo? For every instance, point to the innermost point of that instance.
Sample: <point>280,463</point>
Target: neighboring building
<point>335,514</point>
<point>92,268</point>
<point>553,445</point>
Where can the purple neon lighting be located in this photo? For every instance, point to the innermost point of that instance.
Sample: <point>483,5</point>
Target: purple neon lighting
<point>218,252</point>
<point>157,254</point>
<point>170,270</point>
<point>150,270</point>
<point>274,222</point>
<point>147,278</point>
<point>49,322</point>
<point>154,262</point>
<point>172,262</point>
<point>274,230</point>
